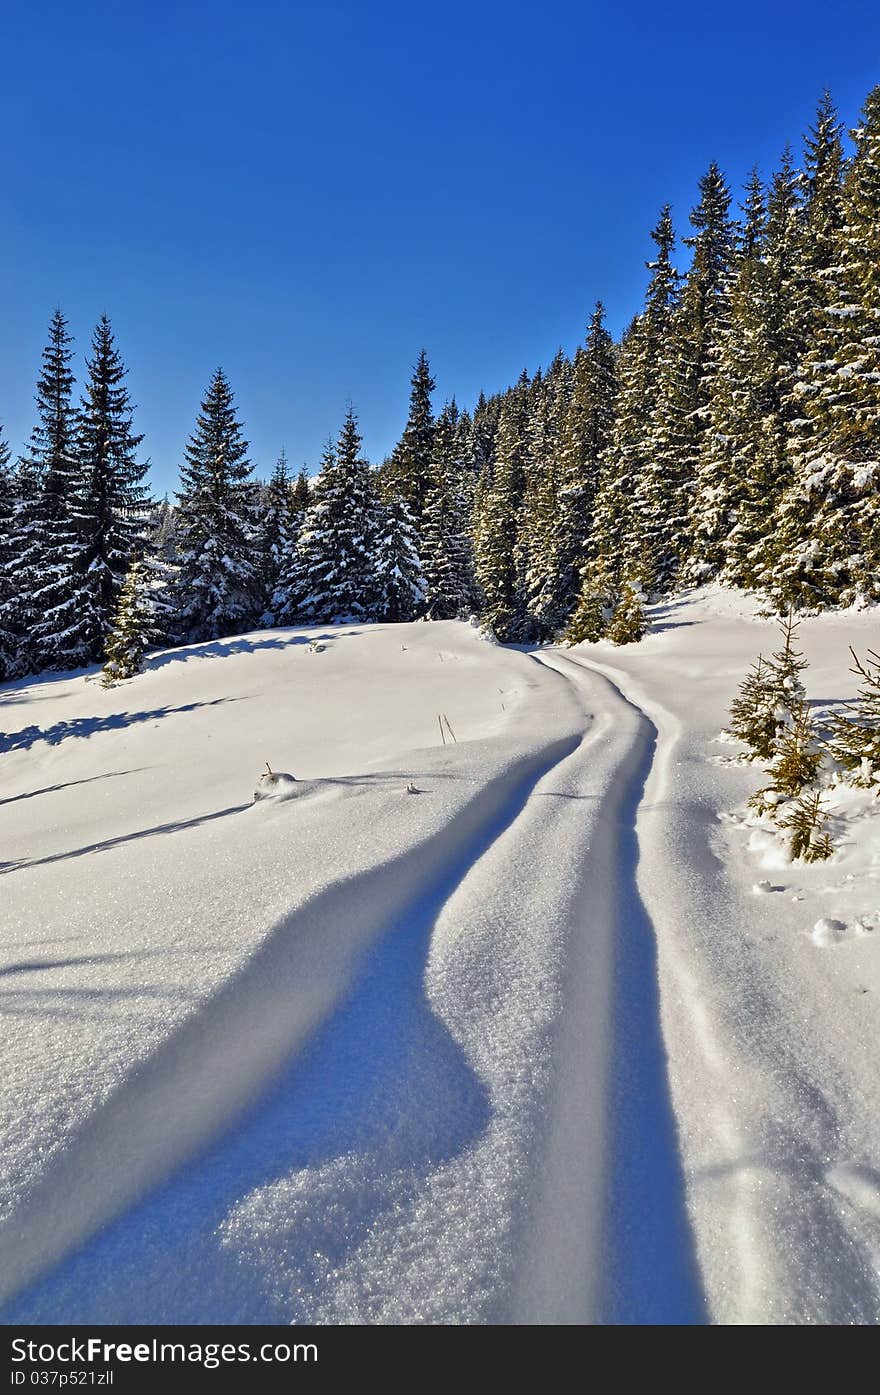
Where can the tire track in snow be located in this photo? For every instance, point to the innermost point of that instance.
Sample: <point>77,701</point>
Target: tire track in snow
<point>643,1261</point>
<point>208,1074</point>
<point>772,1243</point>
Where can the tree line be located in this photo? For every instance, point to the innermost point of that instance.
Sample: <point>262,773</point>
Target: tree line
<point>732,434</point>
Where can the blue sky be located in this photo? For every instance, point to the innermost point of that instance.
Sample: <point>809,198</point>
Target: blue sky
<point>308,194</point>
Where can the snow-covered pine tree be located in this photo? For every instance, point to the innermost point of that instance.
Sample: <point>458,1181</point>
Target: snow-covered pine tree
<point>594,608</point>
<point>409,468</point>
<point>399,583</point>
<point>110,505</point>
<point>629,622</point>
<point>277,527</point>
<point>8,642</point>
<point>291,583</point>
<point>753,407</point>
<point>445,543</point>
<point>496,567</point>
<point>805,820</point>
<point>787,665</point>
<point>302,493</point>
<point>49,565</point>
<point>753,712</point>
<point>855,736</point>
<point>630,482</point>
<point>19,615</point>
<point>133,627</point>
<point>670,503</point>
<point>829,523</point>
<point>797,752</point>
<point>585,437</point>
<point>217,584</point>
<point>337,542</point>
<point>538,555</point>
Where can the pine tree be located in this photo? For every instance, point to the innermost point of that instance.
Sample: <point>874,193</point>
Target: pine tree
<point>805,820</point>
<point>595,606</point>
<point>628,623</point>
<point>753,712</point>
<point>538,555</point>
<point>855,737</point>
<point>292,583</point>
<point>49,564</point>
<point>828,549</point>
<point>337,542</point>
<point>400,585</point>
<point>110,504</point>
<point>410,464</point>
<point>8,640</point>
<point>687,375</point>
<point>217,584</point>
<point>797,753</point>
<point>629,509</point>
<point>19,616</point>
<point>445,545</point>
<point>277,530</point>
<point>498,571</point>
<point>133,628</point>
<point>585,437</point>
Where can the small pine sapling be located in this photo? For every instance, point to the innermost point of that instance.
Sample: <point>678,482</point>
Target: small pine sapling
<point>797,757</point>
<point>133,628</point>
<point>753,711</point>
<point>786,667</point>
<point>805,820</point>
<point>855,739</point>
<point>628,623</point>
<point>798,754</point>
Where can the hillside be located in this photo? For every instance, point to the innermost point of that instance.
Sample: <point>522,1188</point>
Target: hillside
<point>552,1037</point>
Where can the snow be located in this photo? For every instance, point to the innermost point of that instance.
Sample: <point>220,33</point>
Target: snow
<point>540,1045</point>
<point>769,1009</point>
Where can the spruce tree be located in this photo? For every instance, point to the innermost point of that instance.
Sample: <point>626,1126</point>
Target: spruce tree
<point>411,460</point>
<point>217,584</point>
<point>628,622</point>
<point>829,523</point>
<point>688,370</point>
<point>292,584</point>
<point>277,528</point>
<point>337,542</point>
<point>498,570</point>
<point>8,640</point>
<point>399,583</point>
<point>540,561</point>
<point>445,545</point>
<point>855,736</point>
<point>754,410</point>
<point>133,628</point>
<point>753,712</point>
<point>585,436</point>
<point>110,504</point>
<point>595,606</point>
<point>49,549</point>
<point>631,503</point>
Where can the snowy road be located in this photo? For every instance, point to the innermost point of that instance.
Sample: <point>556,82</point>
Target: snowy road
<point>487,1053</point>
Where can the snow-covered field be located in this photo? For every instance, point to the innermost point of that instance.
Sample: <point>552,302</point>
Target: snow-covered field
<point>525,1045</point>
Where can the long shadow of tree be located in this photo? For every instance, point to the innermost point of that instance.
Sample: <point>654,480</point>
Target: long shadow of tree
<point>79,727</point>
<point>381,1098</point>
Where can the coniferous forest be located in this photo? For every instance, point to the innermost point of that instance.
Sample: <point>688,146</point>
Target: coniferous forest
<point>732,435</point>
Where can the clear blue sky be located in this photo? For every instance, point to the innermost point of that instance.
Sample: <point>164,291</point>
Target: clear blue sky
<point>308,194</point>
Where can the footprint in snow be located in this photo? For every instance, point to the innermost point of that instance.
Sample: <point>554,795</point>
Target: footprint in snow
<point>827,932</point>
